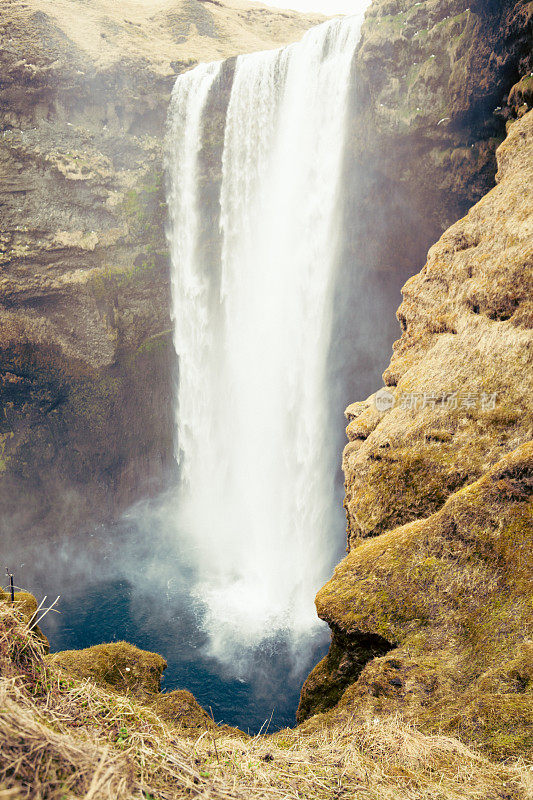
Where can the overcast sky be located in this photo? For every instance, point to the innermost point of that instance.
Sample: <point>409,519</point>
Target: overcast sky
<point>323,6</point>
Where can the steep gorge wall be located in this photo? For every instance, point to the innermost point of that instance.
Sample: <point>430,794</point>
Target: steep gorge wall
<point>436,83</point>
<point>431,611</point>
<point>439,84</point>
<point>86,357</point>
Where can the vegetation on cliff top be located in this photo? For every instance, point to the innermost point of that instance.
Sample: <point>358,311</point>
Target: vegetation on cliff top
<point>64,738</point>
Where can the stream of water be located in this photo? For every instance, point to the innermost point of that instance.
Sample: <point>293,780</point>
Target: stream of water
<point>252,333</point>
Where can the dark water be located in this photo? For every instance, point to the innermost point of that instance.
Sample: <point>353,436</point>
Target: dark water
<point>127,583</point>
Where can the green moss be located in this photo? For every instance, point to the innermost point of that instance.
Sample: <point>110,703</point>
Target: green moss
<point>92,402</point>
<point>421,587</point>
<point>322,690</point>
<point>155,344</point>
<point>342,666</point>
<point>103,282</point>
<point>452,24</point>
<point>144,207</point>
<point>110,281</point>
<point>4,457</point>
<point>144,212</point>
<point>500,724</point>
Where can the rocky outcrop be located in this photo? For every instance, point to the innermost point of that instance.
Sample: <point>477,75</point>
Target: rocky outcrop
<point>86,357</point>
<point>118,665</point>
<point>439,477</point>
<point>434,79</point>
<point>125,669</point>
<point>459,374</point>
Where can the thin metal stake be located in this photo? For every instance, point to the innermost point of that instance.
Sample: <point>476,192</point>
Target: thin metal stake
<point>11,584</point>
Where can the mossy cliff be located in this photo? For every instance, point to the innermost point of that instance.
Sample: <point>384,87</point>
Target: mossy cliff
<point>436,82</point>
<point>439,482</point>
<point>86,356</point>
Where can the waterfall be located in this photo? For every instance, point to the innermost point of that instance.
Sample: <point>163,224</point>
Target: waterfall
<point>257,462</point>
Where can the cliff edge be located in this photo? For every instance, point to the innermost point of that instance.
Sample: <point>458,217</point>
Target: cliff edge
<point>92,723</point>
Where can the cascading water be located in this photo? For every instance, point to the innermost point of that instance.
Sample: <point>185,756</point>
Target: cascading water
<point>257,501</point>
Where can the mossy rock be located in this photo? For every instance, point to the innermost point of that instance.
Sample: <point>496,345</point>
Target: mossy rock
<point>522,93</point>
<point>452,594</point>
<point>119,666</point>
<point>341,667</point>
<point>180,708</point>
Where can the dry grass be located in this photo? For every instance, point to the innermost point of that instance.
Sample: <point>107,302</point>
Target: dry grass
<point>43,762</point>
<point>62,739</point>
<point>159,32</point>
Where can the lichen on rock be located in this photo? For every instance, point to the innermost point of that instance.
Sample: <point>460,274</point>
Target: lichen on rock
<point>462,390</point>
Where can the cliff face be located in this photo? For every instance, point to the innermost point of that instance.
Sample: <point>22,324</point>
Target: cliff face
<point>431,611</point>
<point>436,82</point>
<point>86,357</point>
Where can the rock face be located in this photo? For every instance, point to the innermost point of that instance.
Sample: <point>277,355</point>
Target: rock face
<point>438,491</point>
<point>86,359</point>
<point>432,79</point>
<point>436,82</point>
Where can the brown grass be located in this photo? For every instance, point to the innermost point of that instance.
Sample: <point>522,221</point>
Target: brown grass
<point>62,739</point>
<point>159,32</point>
<point>43,762</point>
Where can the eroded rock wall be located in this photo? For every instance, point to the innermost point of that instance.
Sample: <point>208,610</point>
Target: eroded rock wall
<point>439,481</point>
<point>436,82</point>
<point>86,356</point>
